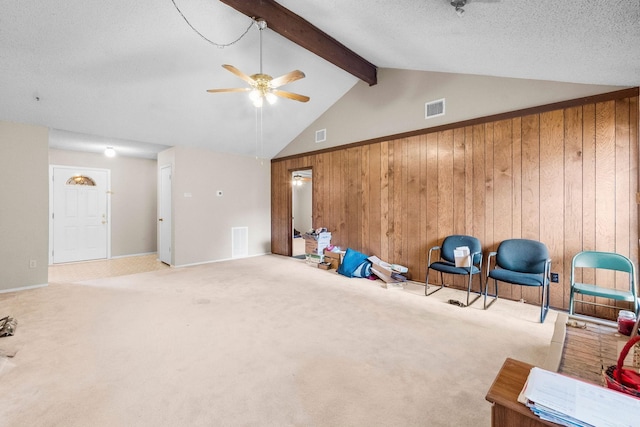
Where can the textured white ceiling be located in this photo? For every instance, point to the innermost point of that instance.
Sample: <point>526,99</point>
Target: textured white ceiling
<point>135,71</point>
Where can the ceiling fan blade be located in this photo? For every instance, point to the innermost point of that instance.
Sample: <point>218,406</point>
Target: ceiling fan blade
<point>287,78</point>
<point>290,95</point>
<point>239,73</point>
<point>234,89</point>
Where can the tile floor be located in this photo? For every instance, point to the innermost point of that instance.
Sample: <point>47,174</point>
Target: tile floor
<point>77,271</point>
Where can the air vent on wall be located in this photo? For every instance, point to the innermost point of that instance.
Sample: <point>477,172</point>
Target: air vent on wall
<point>239,242</point>
<point>321,135</point>
<point>434,109</point>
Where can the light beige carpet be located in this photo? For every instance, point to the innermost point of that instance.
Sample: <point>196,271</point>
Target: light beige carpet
<point>265,341</point>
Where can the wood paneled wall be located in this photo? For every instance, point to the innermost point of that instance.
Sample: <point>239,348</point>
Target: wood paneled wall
<point>565,174</point>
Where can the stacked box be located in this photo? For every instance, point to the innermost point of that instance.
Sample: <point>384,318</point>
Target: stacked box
<point>314,259</point>
<point>315,243</point>
<point>334,258</point>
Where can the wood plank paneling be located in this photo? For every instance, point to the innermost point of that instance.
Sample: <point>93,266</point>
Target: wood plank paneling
<point>431,224</point>
<point>573,183</point>
<point>552,204</point>
<point>424,243</point>
<point>384,200</point>
<point>478,187</point>
<point>623,169</point>
<point>588,195</point>
<point>516,152</point>
<point>634,174</point>
<point>414,226</point>
<point>567,177</point>
<point>605,191</point>
<point>375,192</point>
<point>502,193</point>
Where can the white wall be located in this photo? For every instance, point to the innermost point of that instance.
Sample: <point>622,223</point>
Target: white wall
<point>133,198</point>
<point>24,205</point>
<point>396,104</point>
<point>202,220</point>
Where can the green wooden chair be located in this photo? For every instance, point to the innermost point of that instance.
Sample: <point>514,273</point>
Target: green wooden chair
<point>605,261</point>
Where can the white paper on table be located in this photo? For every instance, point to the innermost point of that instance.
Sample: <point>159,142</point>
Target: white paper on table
<point>589,403</point>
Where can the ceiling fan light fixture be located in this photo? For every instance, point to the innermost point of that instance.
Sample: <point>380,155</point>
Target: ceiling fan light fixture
<point>257,102</point>
<point>254,95</point>
<point>271,98</point>
<point>110,152</point>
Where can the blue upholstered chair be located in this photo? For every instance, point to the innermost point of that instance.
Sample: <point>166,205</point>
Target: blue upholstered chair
<point>521,262</point>
<point>625,291</point>
<point>446,262</point>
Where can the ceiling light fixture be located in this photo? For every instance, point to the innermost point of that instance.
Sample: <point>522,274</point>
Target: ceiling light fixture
<point>110,152</point>
<point>459,4</point>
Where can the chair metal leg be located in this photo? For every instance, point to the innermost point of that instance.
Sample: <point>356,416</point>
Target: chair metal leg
<point>486,293</point>
<point>469,289</point>
<point>426,285</point>
<point>571,301</point>
<point>544,304</point>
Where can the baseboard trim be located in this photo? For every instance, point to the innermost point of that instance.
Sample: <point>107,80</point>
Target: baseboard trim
<point>219,260</point>
<point>23,288</point>
<point>132,255</point>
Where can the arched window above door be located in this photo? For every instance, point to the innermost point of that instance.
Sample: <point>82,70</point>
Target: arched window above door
<point>81,180</point>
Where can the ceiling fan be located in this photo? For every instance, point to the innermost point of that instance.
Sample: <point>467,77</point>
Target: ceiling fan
<point>459,4</point>
<point>298,179</point>
<point>263,86</point>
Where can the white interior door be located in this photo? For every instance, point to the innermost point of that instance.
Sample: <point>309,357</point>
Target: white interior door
<point>79,214</point>
<point>164,216</point>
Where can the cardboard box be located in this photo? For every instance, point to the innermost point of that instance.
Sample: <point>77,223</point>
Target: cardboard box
<point>315,243</point>
<point>310,247</point>
<point>384,271</point>
<point>314,259</point>
<point>324,238</point>
<point>324,265</point>
<point>334,258</point>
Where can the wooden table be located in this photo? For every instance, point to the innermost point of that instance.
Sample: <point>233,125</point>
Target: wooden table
<point>506,411</point>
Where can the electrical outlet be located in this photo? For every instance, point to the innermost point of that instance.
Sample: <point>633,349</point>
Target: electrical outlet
<point>555,277</point>
<point>33,263</point>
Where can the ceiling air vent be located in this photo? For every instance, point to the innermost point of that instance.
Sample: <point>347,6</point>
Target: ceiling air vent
<point>321,135</point>
<point>434,109</point>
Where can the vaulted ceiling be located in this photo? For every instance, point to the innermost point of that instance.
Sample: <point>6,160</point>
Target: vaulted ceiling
<point>130,73</point>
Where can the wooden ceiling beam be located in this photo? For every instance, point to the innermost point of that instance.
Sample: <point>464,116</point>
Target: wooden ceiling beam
<point>303,33</point>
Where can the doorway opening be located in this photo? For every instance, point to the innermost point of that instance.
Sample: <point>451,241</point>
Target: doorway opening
<point>302,209</point>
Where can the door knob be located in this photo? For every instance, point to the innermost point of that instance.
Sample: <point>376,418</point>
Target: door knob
<point>160,219</point>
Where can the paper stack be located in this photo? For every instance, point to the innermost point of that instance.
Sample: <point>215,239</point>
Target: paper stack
<point>462,256</point>
<point>571,402</point>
